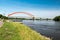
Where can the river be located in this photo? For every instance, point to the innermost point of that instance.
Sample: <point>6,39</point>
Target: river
<point>47,28</point>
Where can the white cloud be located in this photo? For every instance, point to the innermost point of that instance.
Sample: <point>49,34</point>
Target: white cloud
<point>35,12</point>
<point>44,13</point>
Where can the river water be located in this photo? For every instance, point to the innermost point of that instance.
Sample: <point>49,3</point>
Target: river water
<point>47,28</point>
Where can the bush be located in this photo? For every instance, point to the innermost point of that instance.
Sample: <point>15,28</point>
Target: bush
<point>3,17</point>
<point>57,18</point>
<point>0,15</point>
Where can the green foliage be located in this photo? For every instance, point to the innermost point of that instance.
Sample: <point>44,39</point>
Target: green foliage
<point>3,17</point>
<point>57,18</point>
<point>0,15</point>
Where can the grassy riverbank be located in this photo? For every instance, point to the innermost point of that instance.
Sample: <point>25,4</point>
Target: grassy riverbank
<point>17,31</point>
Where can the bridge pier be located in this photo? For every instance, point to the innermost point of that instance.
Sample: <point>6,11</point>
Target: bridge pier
<point>33,18</point>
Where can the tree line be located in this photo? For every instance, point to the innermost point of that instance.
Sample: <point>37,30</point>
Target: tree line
<point>57,18</point>
<point>3,17</point>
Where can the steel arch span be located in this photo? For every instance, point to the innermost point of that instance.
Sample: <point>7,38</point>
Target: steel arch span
<point>21,13</point>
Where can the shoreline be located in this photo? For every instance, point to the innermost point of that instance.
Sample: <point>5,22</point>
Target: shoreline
<point>23,31</point>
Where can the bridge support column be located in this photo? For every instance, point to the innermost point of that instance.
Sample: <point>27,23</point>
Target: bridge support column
<point>33,18</point>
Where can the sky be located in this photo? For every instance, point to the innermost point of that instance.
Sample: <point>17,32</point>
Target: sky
<point>38,8</point>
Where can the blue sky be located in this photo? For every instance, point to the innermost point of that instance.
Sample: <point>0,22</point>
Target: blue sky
<point>39,8</point>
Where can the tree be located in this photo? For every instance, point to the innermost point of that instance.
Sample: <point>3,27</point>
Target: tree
<point>0,15</point>
<point>4,17</point>
<point>57,18</point>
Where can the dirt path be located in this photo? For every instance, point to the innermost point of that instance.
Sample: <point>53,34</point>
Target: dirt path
<point>1,23</point>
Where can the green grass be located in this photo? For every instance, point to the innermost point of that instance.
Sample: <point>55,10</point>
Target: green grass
<point>17,31</point>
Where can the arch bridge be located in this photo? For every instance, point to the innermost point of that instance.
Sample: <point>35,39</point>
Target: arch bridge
<point>29,14</point>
